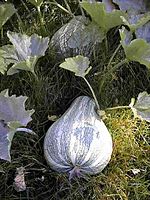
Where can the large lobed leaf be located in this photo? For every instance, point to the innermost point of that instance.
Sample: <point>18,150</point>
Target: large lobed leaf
<point>135,22</point>
<point>12,116</point>
<point>136,50</point>
<point>104,19</point>
<point>6,11</point>
<point>141,108</point>
<point>79,65</point>
<point>24,52</point>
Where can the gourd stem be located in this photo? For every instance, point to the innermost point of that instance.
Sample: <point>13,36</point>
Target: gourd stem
<point>93,93</point>
<point>118,107</point>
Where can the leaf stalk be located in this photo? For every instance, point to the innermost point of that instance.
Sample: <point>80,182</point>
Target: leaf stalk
<point>93,93</point>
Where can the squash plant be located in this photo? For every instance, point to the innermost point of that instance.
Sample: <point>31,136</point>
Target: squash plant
<point>79,142</point>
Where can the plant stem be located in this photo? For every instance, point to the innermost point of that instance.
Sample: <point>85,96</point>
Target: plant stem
<point>68,7</point>
<point>106,44</point>
<point>93,93</point>
<point>118,107</point>
<point>41,19</point>
<point>61,7</point>
<point>114,54</point>
<point>25,6</point>
<point>82,11</point>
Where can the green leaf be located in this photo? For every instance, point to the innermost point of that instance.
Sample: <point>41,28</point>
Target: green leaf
<point>8,53</point>
<point>28,46</point>
<point>12,116</point>
<point>36,3</point>
<point>7,56</point>
<point>25,51</point>
<point>79,65</point>
<point>27,65</point>
<point>136,21</point>
<point>136,50</point>
<point>141,108</point>
<point>105,20</point>
<point>3,66</point>
<point>6,11</point>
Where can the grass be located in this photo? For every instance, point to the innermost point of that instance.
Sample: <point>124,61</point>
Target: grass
<point>52,94</point>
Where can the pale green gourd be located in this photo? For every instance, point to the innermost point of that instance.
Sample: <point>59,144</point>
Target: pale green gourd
<point>78,36</point>
<point>79,142</point>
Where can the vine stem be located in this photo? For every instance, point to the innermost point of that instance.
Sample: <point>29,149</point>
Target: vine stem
<point>41,19</point>
<point>61,7</point>
<point>40,14</point>
<point>93,93</point>
<point>82,11</point>
<point>114,54</point>
<point>68,7</point>
<point>118,107</point>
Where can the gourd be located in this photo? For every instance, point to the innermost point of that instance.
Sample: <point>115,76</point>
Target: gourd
<point>78,36</point>
<point>79,142</point>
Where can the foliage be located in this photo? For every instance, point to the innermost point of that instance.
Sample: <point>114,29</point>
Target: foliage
<point>12,116</point>
<point>141,108</point>
<point>105,20</point>
<point>135,50</point>
<point>136,23</point>
<point>25,51</point>
<point>6,11</point>
<point>79,65</point>
<point>3,66</point>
